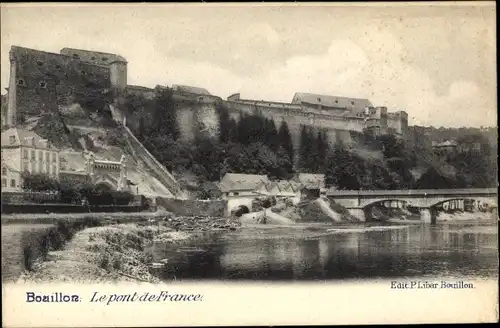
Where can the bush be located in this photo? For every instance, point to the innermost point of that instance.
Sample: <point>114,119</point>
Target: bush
<point>39,182</point>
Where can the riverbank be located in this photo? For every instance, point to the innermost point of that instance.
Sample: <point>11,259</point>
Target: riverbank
<point>103,254</point>
<point>49,218</point>
<point>96,253</point>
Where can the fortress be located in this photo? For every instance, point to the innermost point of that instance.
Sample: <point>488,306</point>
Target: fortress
<point>43,82</point>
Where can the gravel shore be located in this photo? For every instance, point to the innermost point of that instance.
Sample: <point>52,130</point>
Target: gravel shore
<point>116,253</point>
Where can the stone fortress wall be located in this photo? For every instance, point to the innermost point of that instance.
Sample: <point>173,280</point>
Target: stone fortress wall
<point>42,81</point>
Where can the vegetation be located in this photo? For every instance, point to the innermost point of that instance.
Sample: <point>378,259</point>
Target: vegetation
<point>73,192</point>
<point>254,144</point>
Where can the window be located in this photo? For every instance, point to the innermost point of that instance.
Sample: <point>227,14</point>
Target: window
<point>25,154</point>
<point>13,183</point>
<point>236,193</point>
<point>12,139</point>
<point>40,155</point>
<point>33,155</point>
<point>40,167</point>
<point>47,167</point>
<point>352,102</point>
<point>76,56</point>
<point>4,170</point>
<point>58,67</point>
<point>336,101</point>
<point>319,99</point>
<point>104,59</point>
<point>21,82</point>
<point>4,182</point>
<point>33,142</point>
<point>54,169</point>
<point>25,166</point>
<point>39,63</point>
<point>42,84</point>
<point>54,158</point>
<point>47,157</point>
<point>92,58</point>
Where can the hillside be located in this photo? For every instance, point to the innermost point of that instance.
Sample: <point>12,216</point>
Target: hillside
<point>160,119</point>
<point>97,133</point>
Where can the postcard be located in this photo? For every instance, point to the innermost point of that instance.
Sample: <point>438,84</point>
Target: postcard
<point>256,164</point>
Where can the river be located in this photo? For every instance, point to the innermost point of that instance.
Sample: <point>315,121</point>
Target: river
<point>326,252</point>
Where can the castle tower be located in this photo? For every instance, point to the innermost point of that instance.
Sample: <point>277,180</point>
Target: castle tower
<point>12,93</point>
<point>118,74</point>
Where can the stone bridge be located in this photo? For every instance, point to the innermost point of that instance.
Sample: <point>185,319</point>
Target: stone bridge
<point>359,202</point>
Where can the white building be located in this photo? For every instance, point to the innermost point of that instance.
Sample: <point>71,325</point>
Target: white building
<point>283,189</point>
<point>26,151</point>
<point>241,189</point>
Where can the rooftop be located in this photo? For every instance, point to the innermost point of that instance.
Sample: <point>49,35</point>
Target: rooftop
<point>15,137</point>
<point>310,180</point>
<point>359,104</point>
<point>239,182</point>
<point>112,57</point>
<point>190,89</point>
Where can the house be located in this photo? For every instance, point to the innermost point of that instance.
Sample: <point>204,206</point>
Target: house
<point>241,189</point>
<point>311,185</point>
<point>283,189</point>
<point>26,151</point>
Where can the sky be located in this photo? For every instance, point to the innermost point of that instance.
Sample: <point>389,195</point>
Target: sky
<point>436,62</point>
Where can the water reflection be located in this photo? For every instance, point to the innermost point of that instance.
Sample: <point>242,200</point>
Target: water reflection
<point>311,254</point>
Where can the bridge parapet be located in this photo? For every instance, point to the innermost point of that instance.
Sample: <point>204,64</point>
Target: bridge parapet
<point>356,199</point>
<point>413,192</point>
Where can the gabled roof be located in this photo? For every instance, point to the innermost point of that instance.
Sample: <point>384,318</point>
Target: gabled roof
<point>359,104</point>
<point>20,137</point>
<point>240,182</point>
<point>447,143</point>
<point>190,89</point>
<point>310,181</point>
<point>288,185</point>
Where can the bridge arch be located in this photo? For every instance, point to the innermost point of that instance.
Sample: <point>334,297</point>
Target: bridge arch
<point>240,210</point>
<point>390,201</point>
<point>106,183</point>
<point>477,202</point>
<point>104,186</point>
<point>383,208</point>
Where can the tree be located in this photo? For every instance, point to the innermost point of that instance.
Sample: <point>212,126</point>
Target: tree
<point>433,179</point>
<point>322,150</point>
<point>38,182</point>
<point>251,128</point>
<point>284,164</point>
<point>224,123</point>
<point>343,170</point>
<point>285,140</point>
<point>391,146</point>
<point>165,115</point>
<point>305,149</point>
<point>141,128</point>
<point>271,135</point>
